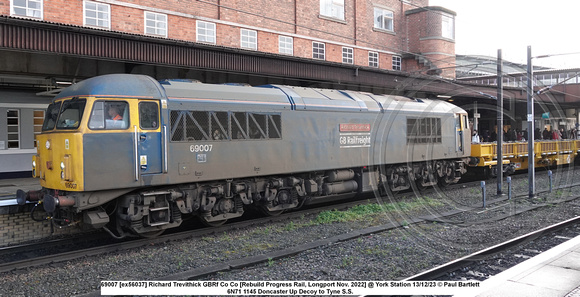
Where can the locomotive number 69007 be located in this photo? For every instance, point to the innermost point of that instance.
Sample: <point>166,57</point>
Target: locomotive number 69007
<point>196,148</point>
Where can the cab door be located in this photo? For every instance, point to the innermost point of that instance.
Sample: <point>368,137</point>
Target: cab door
<point>148,138</point>
<point>459,137</point>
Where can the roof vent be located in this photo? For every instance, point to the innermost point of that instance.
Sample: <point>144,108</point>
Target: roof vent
<point>184,80</point>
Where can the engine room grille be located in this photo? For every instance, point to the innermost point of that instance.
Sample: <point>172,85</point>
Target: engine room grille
<point>191,126</point>
<point>424,130</point>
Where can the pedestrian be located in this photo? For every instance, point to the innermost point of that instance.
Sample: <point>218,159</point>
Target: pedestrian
<point>556,135</point>
<point>485,136</point>
<point>537,134</point>
<point>546,135</point>
<point>493,136</point>
<point>475,137</point>
<point>563,134</point>
<point>511,135</point>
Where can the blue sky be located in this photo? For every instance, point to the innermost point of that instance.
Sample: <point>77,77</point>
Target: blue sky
<point>549,27</point>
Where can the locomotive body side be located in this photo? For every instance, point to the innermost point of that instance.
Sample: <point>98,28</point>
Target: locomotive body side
<point>421,131</point>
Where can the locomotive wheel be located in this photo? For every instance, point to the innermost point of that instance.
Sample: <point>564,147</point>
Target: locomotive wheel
<point>212,223</point>
<point>443,183</point>
<point>151,234</point>
<point>270,213</point>
<point>485,173</point>
<point>420,187</point>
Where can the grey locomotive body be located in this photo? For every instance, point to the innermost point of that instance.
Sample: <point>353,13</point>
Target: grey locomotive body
<point>222,148</point>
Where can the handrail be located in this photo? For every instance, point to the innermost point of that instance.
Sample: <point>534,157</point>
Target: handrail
<point>136,151</point>
<point>165,140</point>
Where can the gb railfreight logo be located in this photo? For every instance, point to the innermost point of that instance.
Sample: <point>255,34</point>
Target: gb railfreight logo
<point>355,135</point>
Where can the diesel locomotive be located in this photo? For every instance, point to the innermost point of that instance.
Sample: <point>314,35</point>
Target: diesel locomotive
<point>136,156</point>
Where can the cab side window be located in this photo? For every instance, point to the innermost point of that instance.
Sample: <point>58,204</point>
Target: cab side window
<point>109,115</point>
<point>148,115</point>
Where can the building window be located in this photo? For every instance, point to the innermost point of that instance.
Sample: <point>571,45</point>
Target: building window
<point>155,24</point>
<point>383,19</point>
<point>332,8</point>
<point>205,32</point>
<point>26,8</point>
<point>13,121</point>
<point>249,39</point>
<point>97,14</point>
<point>286,45</point>
<point>374,59</point>
<point>347,55</point>
<point>38,120</point>
<point>447,26</point>
<point>396,63</point>
<point>318,50</point>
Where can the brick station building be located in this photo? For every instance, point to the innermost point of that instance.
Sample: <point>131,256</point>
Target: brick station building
<point>386,34</point>
<point>46,45</point>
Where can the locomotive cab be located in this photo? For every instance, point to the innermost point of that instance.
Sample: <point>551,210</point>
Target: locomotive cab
<point>94,148</point>
<point>111,141</point>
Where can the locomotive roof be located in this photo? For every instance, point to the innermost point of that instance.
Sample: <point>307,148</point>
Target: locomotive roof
<point>129,85</point>
<point>178,89</point>
<point>301,98</point>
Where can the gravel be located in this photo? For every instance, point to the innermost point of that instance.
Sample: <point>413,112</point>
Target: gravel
<point>390,255</point>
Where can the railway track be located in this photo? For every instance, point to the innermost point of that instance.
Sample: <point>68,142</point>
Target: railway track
<point>66,249</point>
<point>488,262</point>
<point>10,256</point>
<point>208,269</point>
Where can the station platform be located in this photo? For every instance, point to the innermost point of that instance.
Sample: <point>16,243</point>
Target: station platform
<point>553,273</point>
<point>8,188</point>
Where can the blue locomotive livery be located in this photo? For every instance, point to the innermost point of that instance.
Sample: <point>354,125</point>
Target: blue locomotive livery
<point>136,156</point>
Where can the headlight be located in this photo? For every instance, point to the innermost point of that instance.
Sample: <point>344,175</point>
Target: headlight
<point>61,165</point>
<point>35,170</point>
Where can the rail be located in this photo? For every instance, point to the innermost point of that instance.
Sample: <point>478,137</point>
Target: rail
<point>477,256</point>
